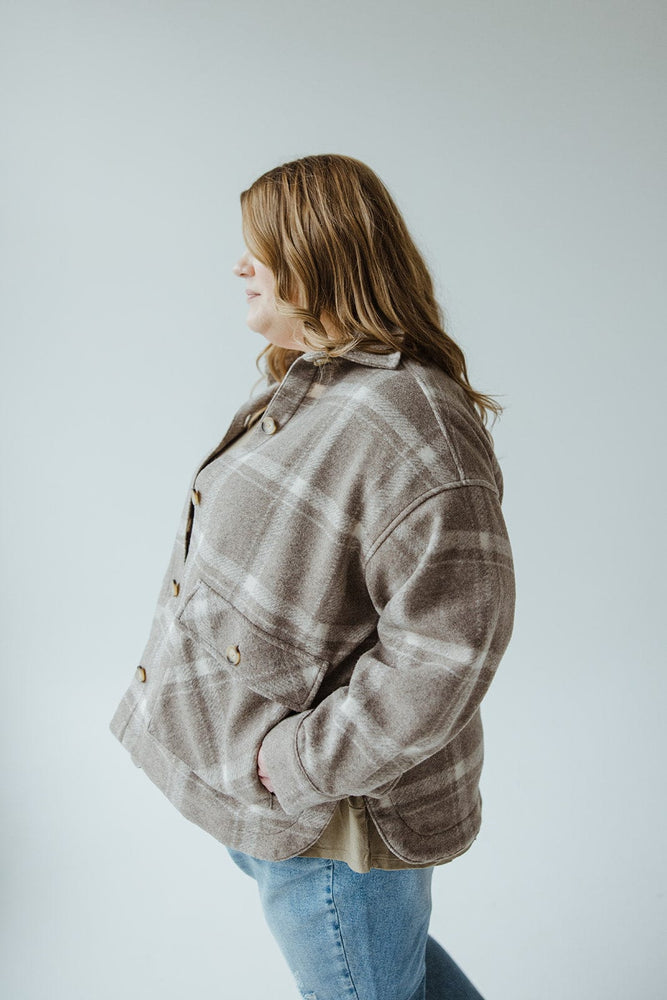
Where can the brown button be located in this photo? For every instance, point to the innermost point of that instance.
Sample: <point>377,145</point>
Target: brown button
<point>196,496</point>
<point>233,655</point>
<point>175,586</point>
<point>248,418</point>
<point>141,673</point>
<point>269,426</point>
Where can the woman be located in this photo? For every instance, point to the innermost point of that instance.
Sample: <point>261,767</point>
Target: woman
<point>338,598</point>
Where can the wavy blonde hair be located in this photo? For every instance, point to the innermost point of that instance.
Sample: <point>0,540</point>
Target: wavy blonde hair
<point>339,248</point>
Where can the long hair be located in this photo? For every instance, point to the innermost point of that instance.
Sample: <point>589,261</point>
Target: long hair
<point>338,247</point>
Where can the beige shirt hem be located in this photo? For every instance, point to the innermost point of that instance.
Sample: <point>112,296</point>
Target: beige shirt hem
<point>351,836</point>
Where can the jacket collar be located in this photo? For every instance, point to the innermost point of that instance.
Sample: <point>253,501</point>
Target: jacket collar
<point>371,358</point>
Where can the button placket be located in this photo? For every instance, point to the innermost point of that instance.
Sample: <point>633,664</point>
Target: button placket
<point>288,396</point>
<point>285,399</point>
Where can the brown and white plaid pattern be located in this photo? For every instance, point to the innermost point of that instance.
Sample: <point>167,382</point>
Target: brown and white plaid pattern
<point>341,592</point>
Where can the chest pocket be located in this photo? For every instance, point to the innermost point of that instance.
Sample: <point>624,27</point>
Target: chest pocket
<point>276,670</point>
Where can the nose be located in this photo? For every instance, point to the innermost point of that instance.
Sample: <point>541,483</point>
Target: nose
<point>243,266</point>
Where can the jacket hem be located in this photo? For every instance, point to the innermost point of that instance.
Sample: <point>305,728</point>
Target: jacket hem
<point>256,829</point>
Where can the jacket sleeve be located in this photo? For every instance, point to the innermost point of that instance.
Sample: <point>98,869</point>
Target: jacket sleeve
<point>442,581</point>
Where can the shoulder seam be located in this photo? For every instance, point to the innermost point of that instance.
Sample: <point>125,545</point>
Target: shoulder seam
<point>417,501</point>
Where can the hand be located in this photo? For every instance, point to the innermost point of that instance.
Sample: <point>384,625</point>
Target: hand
<point>261,772</point>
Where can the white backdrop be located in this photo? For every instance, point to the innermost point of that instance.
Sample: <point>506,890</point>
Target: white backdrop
<point>523,143</point>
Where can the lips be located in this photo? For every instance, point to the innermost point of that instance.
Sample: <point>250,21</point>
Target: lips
<point>251,295</point>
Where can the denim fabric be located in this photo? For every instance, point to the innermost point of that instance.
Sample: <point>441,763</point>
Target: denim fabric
<point>362,936</point>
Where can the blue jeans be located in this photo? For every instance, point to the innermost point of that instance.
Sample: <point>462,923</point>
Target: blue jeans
<point>350,935</point>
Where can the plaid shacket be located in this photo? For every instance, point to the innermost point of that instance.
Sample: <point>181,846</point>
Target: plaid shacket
<point>340,592</point>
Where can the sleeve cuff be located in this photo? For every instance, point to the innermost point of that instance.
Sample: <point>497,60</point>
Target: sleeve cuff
<point>292,786</point>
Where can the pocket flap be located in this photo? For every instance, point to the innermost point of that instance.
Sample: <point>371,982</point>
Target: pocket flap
<point>272,668</point>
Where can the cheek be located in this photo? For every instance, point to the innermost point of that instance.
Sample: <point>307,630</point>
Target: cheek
<point>264,280</point>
